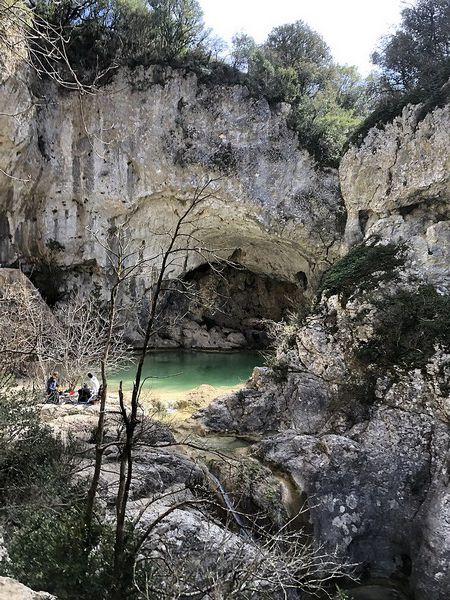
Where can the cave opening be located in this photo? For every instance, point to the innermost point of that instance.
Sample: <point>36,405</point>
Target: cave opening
<point>227,307</point>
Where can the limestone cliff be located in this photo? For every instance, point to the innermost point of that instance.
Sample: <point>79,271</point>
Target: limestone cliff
<point>397,186</point>
<point>76,165</point>
<point>359,391</point>
<point>137,148</point>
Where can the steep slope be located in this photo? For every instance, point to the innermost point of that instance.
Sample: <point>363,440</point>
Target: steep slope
<point>359,392</point>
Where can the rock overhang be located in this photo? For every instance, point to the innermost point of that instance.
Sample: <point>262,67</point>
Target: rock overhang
<point>134,151</point>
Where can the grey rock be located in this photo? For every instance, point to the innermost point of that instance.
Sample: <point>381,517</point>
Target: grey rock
<point>10,589</point>
<point>138,153</point>
<point>368,446</point>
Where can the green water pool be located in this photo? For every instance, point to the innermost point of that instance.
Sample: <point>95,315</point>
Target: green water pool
<point>182,371</point>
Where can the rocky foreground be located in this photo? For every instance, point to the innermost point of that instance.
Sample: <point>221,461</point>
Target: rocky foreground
<point>203,503</point>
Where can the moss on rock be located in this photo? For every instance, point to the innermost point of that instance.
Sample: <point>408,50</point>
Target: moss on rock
<point>363,268</point>
<point>409,327</point>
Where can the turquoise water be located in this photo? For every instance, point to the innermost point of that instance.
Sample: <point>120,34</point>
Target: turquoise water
<point>182,371</point>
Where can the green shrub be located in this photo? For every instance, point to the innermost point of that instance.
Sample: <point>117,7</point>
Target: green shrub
<point>44,530</point>
<point>103,35</point>
<point>49,552</point>
<point>35,466</point>
<point>362,269</point>
<point>414,65</point>
<point>410,325</point>
<point>385,112</point>
<point>341,594</point>
<point>391,107</point>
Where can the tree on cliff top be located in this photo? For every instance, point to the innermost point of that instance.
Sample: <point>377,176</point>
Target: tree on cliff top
<point>417,55</point>
<point>414,65</point>
<point>79,42</point>
<point>28,37</point>
<point>296,46</point>
<point>295,65</point>
<point>104,34</point>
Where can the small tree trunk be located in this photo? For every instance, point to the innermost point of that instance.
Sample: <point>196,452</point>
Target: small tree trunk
<point>123,561</point>
<point>99,435</point>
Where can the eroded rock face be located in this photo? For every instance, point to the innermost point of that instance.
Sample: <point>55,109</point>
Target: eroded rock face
<point>398,184</point>
<point>139,147</point>
<point>227,307</point>
<point>400,165</point>
<point>19,159</point>
<point>358,393</point>
<point>137,151</point>
<point>174,499</point>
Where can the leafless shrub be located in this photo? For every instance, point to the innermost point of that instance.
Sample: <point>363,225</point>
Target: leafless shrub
<point>35,340</point>
<point>25,325</point>
<point>79,339</point>
<point>224,565</point>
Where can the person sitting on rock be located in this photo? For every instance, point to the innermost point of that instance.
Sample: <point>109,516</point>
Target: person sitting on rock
<point>84,394</point>
<point>52,388</point>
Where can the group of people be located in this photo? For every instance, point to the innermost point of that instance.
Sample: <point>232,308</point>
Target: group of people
<point>87,394</point>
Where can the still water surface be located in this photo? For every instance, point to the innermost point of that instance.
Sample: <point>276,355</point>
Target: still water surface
<point>182,371</point>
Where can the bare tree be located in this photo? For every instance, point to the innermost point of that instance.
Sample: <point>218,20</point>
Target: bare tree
<point>25,323</point>
<point>27,37</point>
<point>126,261</point>
<point>34,340</point>
<point>282,562</point>
<point>266,566</point>
<point>180,240</point>
<point>81,334</point>
<point>263,565</point>
<point>221,559</point>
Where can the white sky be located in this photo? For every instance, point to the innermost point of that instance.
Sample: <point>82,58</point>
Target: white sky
<point>351,28</point>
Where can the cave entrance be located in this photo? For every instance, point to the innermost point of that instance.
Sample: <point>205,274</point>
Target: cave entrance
<point>226,307</point>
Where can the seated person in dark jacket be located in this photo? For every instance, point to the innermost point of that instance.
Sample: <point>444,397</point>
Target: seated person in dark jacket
<point>52,388</point>
<point>84,394</point>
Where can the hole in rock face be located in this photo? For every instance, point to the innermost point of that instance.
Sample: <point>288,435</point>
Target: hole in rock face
<point>363,217</point>
<point>232,302</point>
<point>406,566</point>
<point>302,280</point>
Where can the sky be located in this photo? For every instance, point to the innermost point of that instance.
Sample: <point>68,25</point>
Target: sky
<point>351,28</point>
